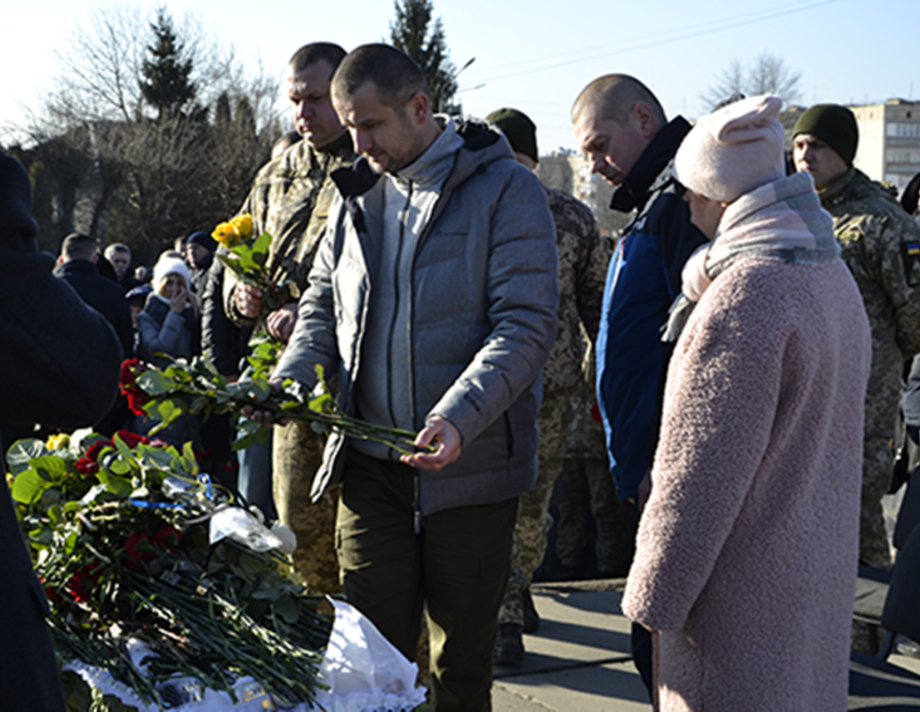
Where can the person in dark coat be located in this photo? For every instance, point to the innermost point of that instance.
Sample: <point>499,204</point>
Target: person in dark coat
<point>59,361</point>
<point>79,254</point>
<point>199,255</point>
<point>118,256</point>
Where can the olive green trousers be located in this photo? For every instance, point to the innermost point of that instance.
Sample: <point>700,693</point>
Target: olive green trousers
<point>457,564</point>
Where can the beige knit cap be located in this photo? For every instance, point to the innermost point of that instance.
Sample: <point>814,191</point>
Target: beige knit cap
<point>733,150</point>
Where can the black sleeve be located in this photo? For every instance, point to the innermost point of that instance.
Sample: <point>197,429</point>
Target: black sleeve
<point>219,336</point>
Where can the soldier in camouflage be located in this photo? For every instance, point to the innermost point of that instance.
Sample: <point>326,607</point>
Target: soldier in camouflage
<point>582,266</point>
<point>881,245</point>
<point>290,200</point>
<point>589,492</point>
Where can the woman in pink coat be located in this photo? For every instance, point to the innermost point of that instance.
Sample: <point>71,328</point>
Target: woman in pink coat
<point>746,555</point>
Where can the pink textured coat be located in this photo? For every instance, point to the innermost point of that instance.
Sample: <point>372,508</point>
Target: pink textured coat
<point>747,550</point>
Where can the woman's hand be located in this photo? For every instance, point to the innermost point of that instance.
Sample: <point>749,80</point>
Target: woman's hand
<point>179,299</point>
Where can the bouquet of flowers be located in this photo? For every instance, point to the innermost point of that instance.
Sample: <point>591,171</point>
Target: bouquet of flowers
<point>196,387</point>
<point>247,256</point>
<point>136,547</point>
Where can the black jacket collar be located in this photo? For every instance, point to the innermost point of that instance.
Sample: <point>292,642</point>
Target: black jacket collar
<point>634,189</point>
<point>359,177</point>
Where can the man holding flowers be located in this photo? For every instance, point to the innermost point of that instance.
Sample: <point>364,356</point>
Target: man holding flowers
<point>433,296</point>
<point>290,200</point>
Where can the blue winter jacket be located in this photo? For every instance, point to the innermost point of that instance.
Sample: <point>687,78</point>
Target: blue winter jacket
<point>642,281</point>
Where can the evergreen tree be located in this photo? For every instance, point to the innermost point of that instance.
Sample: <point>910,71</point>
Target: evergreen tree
<point>165,82</point>
<point>410,33</point>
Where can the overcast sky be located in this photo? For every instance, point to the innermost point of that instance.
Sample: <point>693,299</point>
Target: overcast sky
<point>536,56</point>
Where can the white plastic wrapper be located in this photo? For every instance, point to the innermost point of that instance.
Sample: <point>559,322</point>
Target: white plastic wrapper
<point>244,528</point>
<point>363,670</point>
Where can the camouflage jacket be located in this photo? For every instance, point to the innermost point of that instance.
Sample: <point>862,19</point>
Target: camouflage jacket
<point>582,268</point>
<point>881,245</point>
<point>290,200</point>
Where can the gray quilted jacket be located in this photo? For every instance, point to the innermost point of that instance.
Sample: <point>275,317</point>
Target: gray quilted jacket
<point>483,316</point>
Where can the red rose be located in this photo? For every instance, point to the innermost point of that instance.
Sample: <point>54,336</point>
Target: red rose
<point>130,439</point>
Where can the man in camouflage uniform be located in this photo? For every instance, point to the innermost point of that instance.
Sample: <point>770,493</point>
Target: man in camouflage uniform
<point>881,244</point>
<point>589,493</point>
<point>290,200</point>
<point>582,265</point>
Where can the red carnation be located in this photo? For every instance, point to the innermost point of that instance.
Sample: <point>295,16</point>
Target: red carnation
<point>167,537</point>
<point>138,548</point>
<point>136,401</point>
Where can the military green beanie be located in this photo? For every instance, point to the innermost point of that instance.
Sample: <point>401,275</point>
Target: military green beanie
<point>833,124</point>
<point>518,129</point>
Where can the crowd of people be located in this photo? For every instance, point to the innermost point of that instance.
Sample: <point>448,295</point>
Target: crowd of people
<point>721,391</point>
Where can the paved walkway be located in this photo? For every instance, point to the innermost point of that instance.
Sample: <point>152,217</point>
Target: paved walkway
<point>580,660</point>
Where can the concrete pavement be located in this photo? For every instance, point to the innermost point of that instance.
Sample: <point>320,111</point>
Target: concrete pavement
<point>580,661</point>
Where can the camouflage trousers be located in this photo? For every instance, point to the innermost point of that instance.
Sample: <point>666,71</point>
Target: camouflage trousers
<point>882,403</point>
<point>589,494</point>
<point>296,455</point>
<point>533,518</point>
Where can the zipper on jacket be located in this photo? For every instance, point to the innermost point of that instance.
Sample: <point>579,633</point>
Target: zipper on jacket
<point>395,317</point>
<point>417,512</point>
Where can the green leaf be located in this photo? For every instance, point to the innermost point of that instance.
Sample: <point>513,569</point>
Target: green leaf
<point>118,486</point>
<point>21,451</point>
<point>260,249</point>
<point>233,264</point>
<point>155,457</point>
<point>156,383</point>
<point>167,411</point>
<point>120,467</point>
<point>29,486</point>
<point>321,404</point>
<point>286,607</point>
<point>123,449</point>
<point>71,542</point>
<point>52,467</point>
<point>189,460</point>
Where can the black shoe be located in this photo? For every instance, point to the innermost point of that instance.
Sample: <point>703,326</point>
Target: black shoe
<point>531,617</point>
<point>509,649</point>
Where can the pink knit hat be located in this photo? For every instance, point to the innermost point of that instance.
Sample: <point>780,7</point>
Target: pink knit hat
<point>733,150</point>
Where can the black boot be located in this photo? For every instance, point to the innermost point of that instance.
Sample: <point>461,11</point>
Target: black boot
<point>509,648</point>
<point>531,617</point>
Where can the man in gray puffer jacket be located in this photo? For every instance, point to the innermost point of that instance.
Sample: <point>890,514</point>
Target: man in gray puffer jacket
<point>433,295</point>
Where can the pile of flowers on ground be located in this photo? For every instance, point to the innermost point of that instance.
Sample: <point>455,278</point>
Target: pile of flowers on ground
<point>135,546</point>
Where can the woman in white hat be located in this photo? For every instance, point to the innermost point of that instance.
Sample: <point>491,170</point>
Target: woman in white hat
<point>746,555</point>
<point>169,322</point>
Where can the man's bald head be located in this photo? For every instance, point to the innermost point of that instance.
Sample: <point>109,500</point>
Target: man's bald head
<point>613,96</point>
